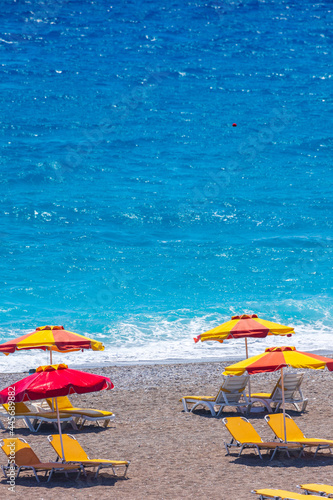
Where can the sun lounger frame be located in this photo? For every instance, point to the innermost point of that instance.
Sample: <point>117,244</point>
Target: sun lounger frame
<point>271,446</point>
<point>307,442</point>
<point>95,463</point>
<point>31,419</point>
<point>292,386</point>
<point>80,415</point>
<point>231,393</point>
<point>48,467</point>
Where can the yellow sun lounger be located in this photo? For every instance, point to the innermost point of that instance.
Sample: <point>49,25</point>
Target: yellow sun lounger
<point>83,414</point>
<point>294,433</point>
<point>292,394</point>
<point>268,493</point>
<point>74,453</point>
<point>31,418</point>
<point>322,489</point>
<point>21,457</point>
<point>245,436</point>
<point>231,393</point>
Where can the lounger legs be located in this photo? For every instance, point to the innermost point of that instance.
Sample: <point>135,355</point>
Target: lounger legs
<point>273,452</point>
<point>304,405</point>
<point>81,421</point>
<point>98,469</point>
<point>113,470</point>
<point>209,406</point>
<point>322,447</point>
<point>220,410</point>
<point>34,426</point>
<point>257,448</point>
<point>296,405</point>
<point>29,424</point>
<point>263,402</point>
<point>28,468</point>
<point>241,408</point>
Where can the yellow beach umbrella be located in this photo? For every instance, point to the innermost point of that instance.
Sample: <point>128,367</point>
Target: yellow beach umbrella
<point>245,326</point>
<point>51,338</point>
<point>276,358</point>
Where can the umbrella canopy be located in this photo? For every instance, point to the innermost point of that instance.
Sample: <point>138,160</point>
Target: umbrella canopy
<point>245,326</point>
<point>51,338</point>
<point>52,381</point>
<point>276,358</point>
<point>55,380</point>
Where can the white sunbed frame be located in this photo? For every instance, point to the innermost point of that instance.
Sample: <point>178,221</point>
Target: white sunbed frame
<point>292,394</point>
<point>31,421</point>
<point>79,417</point>
<point>231,393</point>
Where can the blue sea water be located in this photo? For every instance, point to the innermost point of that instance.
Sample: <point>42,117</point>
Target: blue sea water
<point>132,210</point>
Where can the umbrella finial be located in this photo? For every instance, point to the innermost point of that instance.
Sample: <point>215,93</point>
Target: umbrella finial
<point>50,368</point>
<point>244,316</point>
<point>47,327</point>
<point>280,349</point>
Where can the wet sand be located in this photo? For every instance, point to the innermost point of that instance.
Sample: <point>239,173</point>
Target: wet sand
<point>173,454</point>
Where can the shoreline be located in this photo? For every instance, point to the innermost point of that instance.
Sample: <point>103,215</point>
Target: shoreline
<point>85,365</point>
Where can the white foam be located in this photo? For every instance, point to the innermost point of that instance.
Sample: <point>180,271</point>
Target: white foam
<point>157,340</point>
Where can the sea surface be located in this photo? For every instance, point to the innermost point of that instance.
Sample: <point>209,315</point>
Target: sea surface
<point>132,210</point>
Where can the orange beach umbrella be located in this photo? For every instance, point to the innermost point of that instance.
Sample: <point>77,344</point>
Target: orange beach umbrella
<point>276,358</point>
<point>51,338</point>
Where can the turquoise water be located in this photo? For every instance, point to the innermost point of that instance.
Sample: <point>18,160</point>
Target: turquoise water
<point>132,209</point>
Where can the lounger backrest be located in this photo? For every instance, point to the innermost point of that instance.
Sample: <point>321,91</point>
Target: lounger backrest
<point>72,448</point>
<point>291,383</point>
<point>63,402</point>
<point>242,430</point>
<point>275,421</point>
<point>23,454</point>
<point>232,389</point>
<point>20,408</point>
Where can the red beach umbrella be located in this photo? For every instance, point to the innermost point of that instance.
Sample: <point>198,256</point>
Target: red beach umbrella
<point>52,381</point>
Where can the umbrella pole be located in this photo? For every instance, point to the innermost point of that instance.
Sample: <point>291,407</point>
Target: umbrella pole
<point>247,355</point>
<point>60,431</point>
<point>51,364</point>
<point>283,408</point>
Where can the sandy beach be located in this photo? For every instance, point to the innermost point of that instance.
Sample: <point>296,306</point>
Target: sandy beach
<point>173,454</point>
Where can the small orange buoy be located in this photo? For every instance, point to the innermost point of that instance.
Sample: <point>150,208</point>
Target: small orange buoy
<point>234,124</point>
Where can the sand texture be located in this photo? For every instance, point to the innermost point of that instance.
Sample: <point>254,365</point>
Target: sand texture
<point>173,454</point>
